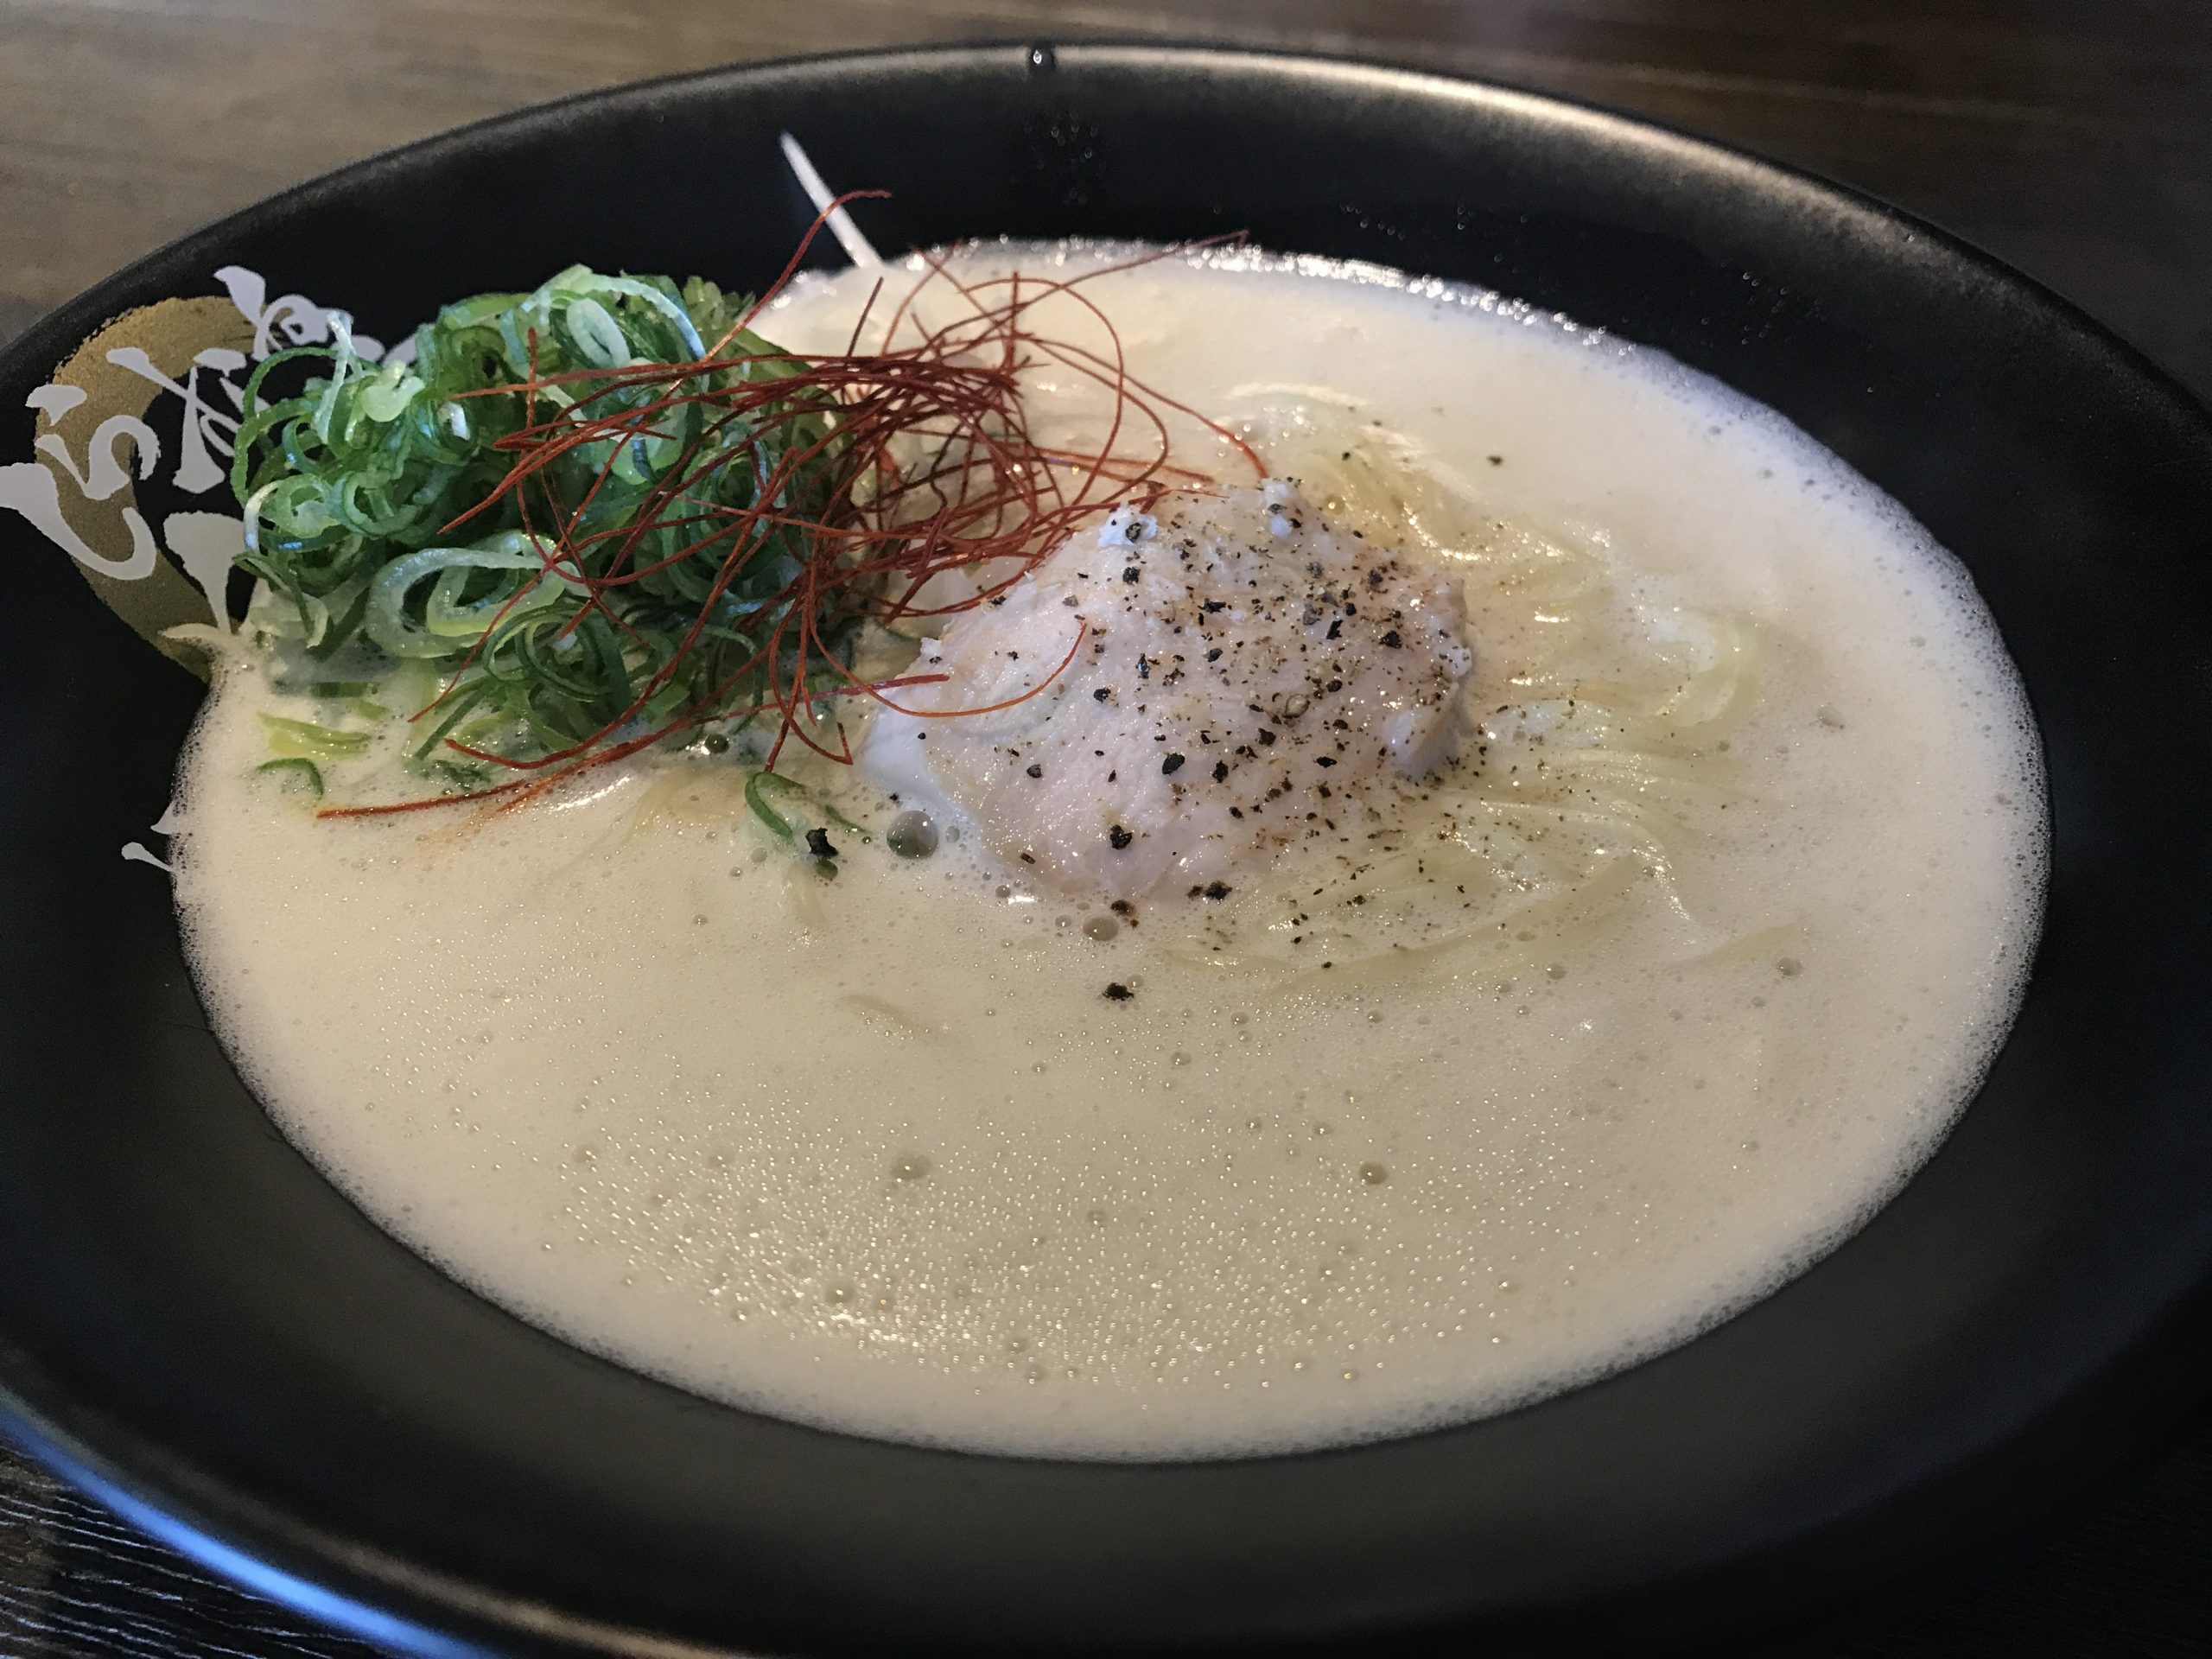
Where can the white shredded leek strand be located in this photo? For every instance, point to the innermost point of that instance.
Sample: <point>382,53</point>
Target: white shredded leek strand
<point>857,247</point>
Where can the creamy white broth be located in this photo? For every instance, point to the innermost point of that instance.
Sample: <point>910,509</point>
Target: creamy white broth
<point>877,1152</point>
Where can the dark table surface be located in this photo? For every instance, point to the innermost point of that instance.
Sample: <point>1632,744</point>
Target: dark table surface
<point>2074,140</point>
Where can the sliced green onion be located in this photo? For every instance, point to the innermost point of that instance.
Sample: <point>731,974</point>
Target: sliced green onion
<point>294,772</point>
<point>449,626</point>
<point>759,787</point>
<point>305,740</point>
<point>381,522</point>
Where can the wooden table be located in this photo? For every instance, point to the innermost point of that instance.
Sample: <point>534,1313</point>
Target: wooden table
<point>2072,139</point>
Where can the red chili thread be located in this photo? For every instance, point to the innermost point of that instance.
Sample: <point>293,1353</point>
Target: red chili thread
<point>981,490</point>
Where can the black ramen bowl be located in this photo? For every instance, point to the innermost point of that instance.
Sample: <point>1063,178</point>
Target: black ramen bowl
<point>197,1326</point>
